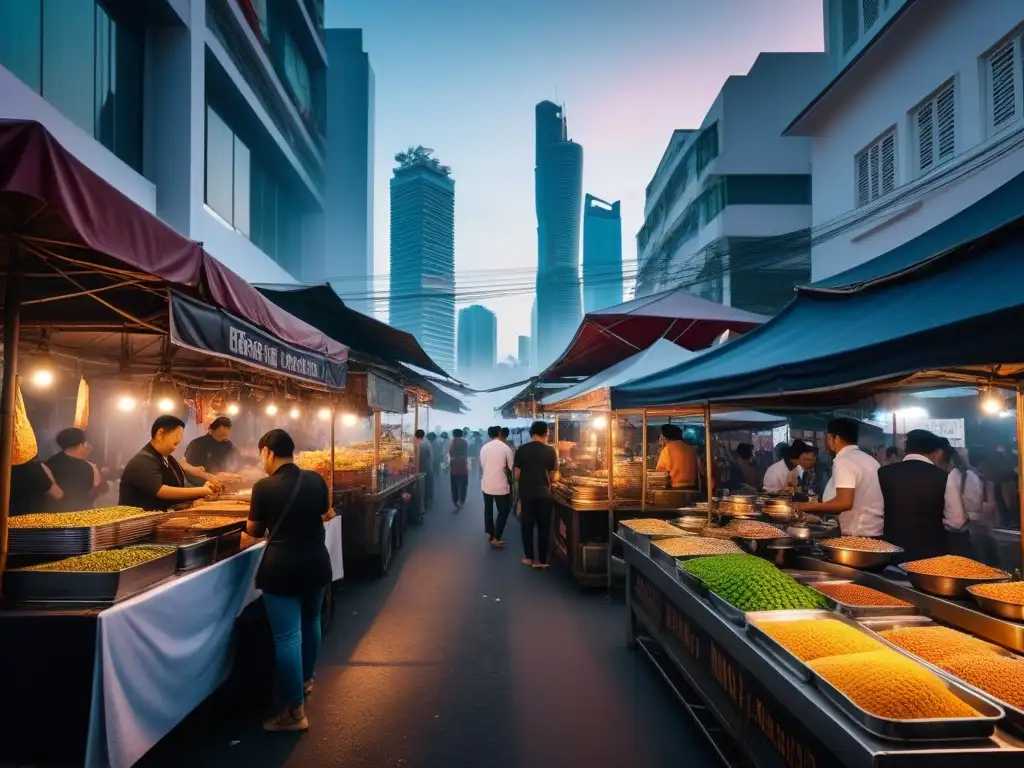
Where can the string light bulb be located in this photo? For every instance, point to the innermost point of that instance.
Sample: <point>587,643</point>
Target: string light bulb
<point>126,403</point>
<point>271,410</point>
<point>324,414</point>
<point>349,419</point>
<point>294,412</point>
<point>165,405</point>
<point>42,378</point>
<point>232,409</point>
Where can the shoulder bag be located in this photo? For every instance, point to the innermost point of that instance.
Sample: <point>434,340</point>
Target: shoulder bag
<point>284,513</point>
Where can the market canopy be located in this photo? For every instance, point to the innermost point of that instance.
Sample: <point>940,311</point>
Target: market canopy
<point>322,308</point>
<point>611,335</point>
<point>954,317</point>
<point>88,264</point>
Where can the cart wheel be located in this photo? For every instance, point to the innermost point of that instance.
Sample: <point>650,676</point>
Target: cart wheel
<point>386,548</point>
<point>327,611</point>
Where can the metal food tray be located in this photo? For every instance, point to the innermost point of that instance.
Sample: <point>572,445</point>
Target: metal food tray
<point>808,577</point>
<point>228,544</point>
<point>727,609</point>
<point>778,651</point>
<point>948,586</point>
<point>861,611</point>
<point>23,585</point>
<point>996,607</point>
<point>81,540</point>
<point>691,581</point>
<point>642,541</point>
<point>867,559</point>
<point>197,554</point>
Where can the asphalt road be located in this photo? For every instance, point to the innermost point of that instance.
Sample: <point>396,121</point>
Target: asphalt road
<point>462,658</point>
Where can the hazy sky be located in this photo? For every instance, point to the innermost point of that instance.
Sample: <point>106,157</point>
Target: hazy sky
<point>463,76</point>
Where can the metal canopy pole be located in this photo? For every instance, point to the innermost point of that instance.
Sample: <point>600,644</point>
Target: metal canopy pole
<point>708,469</point>
<point>643,461</point>
<point>8,398</point>
<point>610,460</point>
<point>334,418</point>
<point>1020,467</point>
<point>376,450</point>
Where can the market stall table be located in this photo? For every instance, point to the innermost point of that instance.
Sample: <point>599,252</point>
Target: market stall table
<point>119,679</point>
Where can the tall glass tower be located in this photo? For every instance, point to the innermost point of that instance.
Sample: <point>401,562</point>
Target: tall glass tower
<point>422,300</point>
<point>602,254</point>
<point>558,179</point>
<point>478,341</point>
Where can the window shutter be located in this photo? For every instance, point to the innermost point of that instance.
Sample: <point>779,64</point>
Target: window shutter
<point>945,122</point>
<point>850,23</point>
<point>870,9</point>
<point>925,136</point>
<point>863,179</point>
<point>1003,84</point>
<point>874,171</point>
<point>888,169</point>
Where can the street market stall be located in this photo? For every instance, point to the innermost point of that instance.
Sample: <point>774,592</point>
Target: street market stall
<point>119,645</point>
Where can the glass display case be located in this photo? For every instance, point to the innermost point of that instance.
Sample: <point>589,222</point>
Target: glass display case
<point>583,444</point>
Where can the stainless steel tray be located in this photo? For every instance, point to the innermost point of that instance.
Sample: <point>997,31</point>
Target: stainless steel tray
<point>861,611</point>
<point>727,609</point>
<point>948,586</point>
<point>643,541</point>
<point>196,554</point>
<point>920,730</point>
<point>691,581</point>
<point>229,544</point>
<point>92,587</point>
<point>1000,608</point>
<point>858,558</point>
<point>782,654</point>
<point>809,577</point>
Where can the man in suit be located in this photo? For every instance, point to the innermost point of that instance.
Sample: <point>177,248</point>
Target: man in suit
<point>914,491</point>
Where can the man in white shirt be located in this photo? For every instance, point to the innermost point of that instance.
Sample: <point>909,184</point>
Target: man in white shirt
<point>496,461</point>
<point>788,473</point>
<point>853,491</point>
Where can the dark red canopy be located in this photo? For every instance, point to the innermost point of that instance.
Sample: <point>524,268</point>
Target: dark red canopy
<point>608,336</point>
<point>64,224</point>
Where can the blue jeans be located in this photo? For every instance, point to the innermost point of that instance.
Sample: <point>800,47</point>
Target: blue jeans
<point>295,624</point>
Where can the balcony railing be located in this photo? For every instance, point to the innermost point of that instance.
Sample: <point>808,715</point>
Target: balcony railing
<point>219,21</point>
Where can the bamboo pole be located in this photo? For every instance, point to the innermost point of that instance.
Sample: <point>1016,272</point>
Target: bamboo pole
<point>376,450</point>
<point>334,419</point>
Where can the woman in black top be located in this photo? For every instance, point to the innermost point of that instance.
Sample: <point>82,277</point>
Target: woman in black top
<point>295,569</point>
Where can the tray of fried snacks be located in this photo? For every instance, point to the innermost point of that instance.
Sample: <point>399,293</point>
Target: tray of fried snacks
<point>856,601</point>
<point>951,575</point>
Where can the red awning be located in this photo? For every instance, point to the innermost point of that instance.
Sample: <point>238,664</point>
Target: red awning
<point>609,336</point>
<point>68,225</point>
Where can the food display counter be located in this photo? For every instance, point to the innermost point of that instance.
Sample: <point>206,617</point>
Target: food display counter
<point>781,688</point>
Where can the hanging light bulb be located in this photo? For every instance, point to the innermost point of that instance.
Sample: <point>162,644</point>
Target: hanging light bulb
<point>42,378</point>
<point>271,410</point>
<point>165,397</point>
<point>41,370</point>
<point>349,419</point>
<point>126,403</point>
<point>992,402</point>
<point>232,409</point>
<point>324,414</point>
<point>600,422</point>
<point>165,405</point>
<point>294,412</point>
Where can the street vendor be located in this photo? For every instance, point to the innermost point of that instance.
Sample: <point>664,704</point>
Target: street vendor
<point>788,474</point>
<point>677,458</point>
<point>853,493</point>
<point>213,453</point>
<point>153,479</point>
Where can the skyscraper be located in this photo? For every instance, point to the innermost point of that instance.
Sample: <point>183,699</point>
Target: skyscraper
<point>602,254</point>
<point>524,351</point>
<point>422,300</point>
<point>478,340</point>
<point>349,163</point>
<point>558,180</point>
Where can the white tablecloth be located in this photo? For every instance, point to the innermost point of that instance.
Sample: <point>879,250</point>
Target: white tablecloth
<point>160,654</point>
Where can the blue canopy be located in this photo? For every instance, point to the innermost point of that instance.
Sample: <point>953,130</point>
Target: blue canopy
<point>961,308</point>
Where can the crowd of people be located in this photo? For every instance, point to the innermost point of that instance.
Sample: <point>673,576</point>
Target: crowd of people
<point>514,475</point>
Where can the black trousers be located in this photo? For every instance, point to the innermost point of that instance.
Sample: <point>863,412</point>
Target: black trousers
<point>504,507</point>
<point>428,490</point>
<point>460,484</point>
<point>536,513</point>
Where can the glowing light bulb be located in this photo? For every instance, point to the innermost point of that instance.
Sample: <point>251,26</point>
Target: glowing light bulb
<point>126,403</point>
<point>600,422</point>
<point>43,378</point>
<point>349,419</point>
<point>232,409</point>
<point>294,412</point>
<point>271,410</point>
<point>324,414</point>
<point>991,405</point>
<point>166,405</point>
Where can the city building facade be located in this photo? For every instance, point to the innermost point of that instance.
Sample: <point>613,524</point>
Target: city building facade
<point>422,295</point>
<point>478,341</point>
<point>210,115</point>
<point>728,211</point>
<point>349,183</point>
<point>602,254</point>
<point>523,352</point>
<point>558,177</point>
<point>921,117</point>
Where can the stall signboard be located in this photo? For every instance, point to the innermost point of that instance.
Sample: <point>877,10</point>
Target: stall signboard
<point>214,331</point>
<point>384,395</point>
<point>756,717</point>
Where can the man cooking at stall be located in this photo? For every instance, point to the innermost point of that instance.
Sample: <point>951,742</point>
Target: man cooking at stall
<point>853,492</point>
<point>213,453</point>
<point>153,479</point>
<point>788,473</point>
<point>677,458</point>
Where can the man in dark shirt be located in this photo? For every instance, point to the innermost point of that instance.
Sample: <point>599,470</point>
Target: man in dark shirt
<point>425,466</point>
<point>536,467</point>
<point>458,468</point>
<point>214,453</point>
<point>79,479</point>
<point>153,479</point>
<point>914,491</point>
<point>32,488</point>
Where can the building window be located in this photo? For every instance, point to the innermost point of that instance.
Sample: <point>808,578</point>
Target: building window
<point>875,169</point>
<point>857,18</point>
<point>84,63</point>
<point>228,171</point>
<point>934,125</point>
<point>297,74</point>
<point>1003,84</point>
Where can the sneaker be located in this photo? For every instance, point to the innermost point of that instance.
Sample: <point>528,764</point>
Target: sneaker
<point>289,721</point>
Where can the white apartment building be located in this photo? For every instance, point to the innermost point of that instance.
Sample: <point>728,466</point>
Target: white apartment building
<point>729,208</point>
<point>921,118</point>
<point>208,113</point>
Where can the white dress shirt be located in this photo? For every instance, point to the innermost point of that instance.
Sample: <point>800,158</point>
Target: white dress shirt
<point>852,468</point>
<point>779,476</point>
<point>495,458</point>
<point>953,515</point>
<point>979,497</point>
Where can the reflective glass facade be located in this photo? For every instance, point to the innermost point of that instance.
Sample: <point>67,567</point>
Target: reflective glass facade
<point>85,63</point>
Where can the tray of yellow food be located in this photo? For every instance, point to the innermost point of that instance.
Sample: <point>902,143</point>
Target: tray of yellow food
<point>641,531</point>
<point>94,578</point>
<point>987,669</point>
<point>77,533</point>
<point>856,600</point>
<point>1005,600</point>
<point>951,575</point>
<point>859,551</point>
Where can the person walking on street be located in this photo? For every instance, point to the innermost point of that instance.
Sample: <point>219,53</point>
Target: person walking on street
<point>290,506</point>
<point>458,469</point>
<point>536,468</point>
<point>495,463</point>
<point>435,453</point>
<point>425,466</point>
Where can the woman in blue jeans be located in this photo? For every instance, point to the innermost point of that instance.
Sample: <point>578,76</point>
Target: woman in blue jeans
<point>291,506</point>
